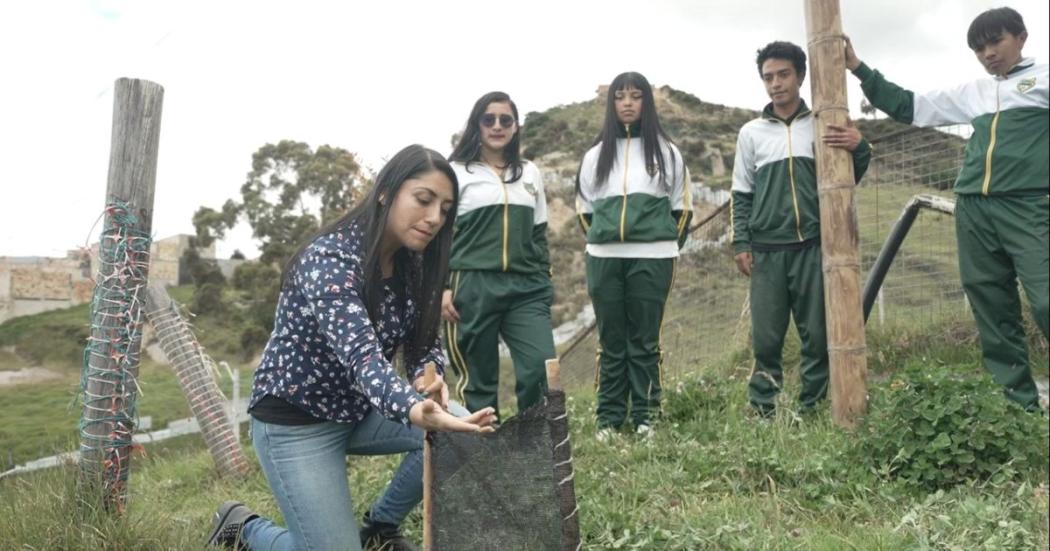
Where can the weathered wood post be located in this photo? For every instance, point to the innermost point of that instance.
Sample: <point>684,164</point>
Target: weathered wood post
<point>564,474</point>
<point>429,376</point>
<point>110,377</point>
<point>838,216</point>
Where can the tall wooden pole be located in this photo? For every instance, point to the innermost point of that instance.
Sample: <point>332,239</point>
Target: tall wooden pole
<point>838,216</point>
<point>564,475</point>
<point>429,376</point>
<point>110,375</point>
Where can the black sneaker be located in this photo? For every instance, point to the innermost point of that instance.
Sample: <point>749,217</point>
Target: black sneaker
<point>381,536</point>
<point>766,412</point>
<point>229,520</point>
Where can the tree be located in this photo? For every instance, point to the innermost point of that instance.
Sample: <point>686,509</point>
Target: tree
<point>868,109</point>
<point>290,191</point>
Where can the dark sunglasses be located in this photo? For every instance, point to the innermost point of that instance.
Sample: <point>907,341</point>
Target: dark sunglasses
<point>488,120</point>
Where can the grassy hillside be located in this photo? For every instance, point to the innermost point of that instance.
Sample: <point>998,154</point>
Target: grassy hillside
<point>704,132</point>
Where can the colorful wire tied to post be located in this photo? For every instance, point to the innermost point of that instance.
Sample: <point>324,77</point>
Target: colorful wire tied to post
<point>108,378</point>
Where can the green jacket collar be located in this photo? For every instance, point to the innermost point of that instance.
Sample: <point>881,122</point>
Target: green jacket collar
<point>771,116</point>
<point>636,130</point>
<point>1025,63</point>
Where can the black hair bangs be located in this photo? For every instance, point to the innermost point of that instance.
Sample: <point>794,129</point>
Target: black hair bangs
<point>990,26</point>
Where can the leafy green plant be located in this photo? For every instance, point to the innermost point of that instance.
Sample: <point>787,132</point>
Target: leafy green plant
<point>694,396</point>
<point>936,429</point>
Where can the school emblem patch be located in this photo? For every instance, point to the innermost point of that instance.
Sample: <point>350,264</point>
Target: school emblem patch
<point>1025,85</point>
<point>531,188</point>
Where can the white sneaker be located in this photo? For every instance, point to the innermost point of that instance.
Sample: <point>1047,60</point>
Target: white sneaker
<point>643,430</point>
<point>604,435</point>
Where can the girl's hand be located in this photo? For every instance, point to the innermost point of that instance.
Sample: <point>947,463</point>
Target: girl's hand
<point>448,311</point>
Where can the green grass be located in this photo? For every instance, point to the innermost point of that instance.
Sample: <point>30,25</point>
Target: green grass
<point>713,477</point>
<point>52,339</point>
<point>41,419</point>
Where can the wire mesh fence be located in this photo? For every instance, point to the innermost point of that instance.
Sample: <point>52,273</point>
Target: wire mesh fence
<point>707,319</point>
<point>923,282</point>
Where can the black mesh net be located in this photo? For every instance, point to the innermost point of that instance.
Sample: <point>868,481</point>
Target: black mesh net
<point>511,490</point>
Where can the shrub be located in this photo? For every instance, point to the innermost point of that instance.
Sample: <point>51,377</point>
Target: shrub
<point>936,429</point>
<point>256,277</point>
<point>200,271</point>
<point>253,338</point>
<point>208,299</point>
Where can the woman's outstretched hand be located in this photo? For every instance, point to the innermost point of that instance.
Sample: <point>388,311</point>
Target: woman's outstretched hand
<point>428,415</point>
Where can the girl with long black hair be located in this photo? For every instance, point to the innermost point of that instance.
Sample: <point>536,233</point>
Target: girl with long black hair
<point>632,199</point>
<point>500,266</point>
<point>363,287</point>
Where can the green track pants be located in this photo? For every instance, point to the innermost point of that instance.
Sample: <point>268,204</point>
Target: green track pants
<point>786,284</point>
<point>628,295</point>
<point>516,307</point>
<point>1003,239</point>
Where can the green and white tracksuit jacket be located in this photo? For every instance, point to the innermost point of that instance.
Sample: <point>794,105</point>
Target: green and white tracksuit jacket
<point>500,280</point>
<point>634,215</point>
<point>500,227</point>
<point>1002,208</point>
<point>1007,152</point>
<point>774,194</point>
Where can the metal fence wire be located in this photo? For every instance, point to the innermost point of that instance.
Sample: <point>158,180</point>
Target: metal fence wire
<point>707,319</point>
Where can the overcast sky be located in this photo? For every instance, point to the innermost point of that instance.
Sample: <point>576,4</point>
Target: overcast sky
<point>373,77</point>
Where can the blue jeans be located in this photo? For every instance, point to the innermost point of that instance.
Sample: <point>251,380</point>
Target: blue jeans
<point>306,468</point>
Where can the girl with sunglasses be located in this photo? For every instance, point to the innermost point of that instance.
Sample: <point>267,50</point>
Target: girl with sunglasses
<point>363,287</point>
<point>632,199</point>
<point>500,267</point>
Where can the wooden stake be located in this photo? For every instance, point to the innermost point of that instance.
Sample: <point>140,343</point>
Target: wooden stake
<point>134,144</point>
<point>838,216</point>
<point>564,476</point>
<point>429,376</point>
<point>553,374</point>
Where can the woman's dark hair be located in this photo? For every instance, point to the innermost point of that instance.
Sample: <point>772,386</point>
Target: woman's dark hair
<point>783,50</point>
<point>989,26</point>
<point>423,273</point>
<point>652,134</point>
<point>468,149</point>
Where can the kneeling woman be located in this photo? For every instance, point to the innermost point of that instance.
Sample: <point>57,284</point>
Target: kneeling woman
<point>326,388</point>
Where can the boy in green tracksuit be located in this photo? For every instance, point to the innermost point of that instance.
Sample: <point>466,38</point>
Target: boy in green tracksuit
<point>1002,210</point>
<point>776,227</point>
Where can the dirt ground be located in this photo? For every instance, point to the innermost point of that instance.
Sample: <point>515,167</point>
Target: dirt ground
<point>27,375</point>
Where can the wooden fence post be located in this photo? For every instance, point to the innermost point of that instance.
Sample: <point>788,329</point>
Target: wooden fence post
<point>838,216</point>
<point>110,378</point>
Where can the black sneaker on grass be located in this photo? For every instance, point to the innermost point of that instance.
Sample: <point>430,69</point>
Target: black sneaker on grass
<point>382,536</point>
<point>229,521</point>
